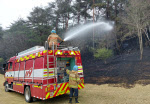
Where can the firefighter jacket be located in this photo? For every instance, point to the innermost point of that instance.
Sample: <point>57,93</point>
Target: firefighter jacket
<point>53,38</point>
<point>74,78</point>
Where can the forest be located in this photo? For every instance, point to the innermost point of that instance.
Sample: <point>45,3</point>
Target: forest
<point>131,29</point>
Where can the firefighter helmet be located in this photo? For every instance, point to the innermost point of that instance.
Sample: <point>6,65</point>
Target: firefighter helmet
<point>53,31</point>
<point>75,68</point>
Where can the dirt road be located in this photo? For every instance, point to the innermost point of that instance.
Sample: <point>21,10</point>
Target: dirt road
<point>92,94</point>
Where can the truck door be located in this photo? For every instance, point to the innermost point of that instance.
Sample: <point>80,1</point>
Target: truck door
<point>29,71</point>
<point>9,73</point>
<point>21,71</point>
<point>16,71</point>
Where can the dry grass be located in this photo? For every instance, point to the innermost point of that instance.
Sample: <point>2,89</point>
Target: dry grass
<point>92,94</point>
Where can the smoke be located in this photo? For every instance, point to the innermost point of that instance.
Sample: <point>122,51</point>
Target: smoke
<point>86,28</point>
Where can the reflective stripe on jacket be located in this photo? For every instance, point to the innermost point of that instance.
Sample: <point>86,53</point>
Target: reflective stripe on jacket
<point>74,78</point>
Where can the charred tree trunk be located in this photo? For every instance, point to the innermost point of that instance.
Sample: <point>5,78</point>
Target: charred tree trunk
<point>140,43</point>
<point>66,24</point>
<point>93,22</point>
<point>107,9</point>
<point>116,11</point>
<point>85,18</point>
<point>67,21</point>
<point>115,29</point>
<point>63,23</point>
<point>78,18</point>
<point>79,15</point>
<point>57,24</point>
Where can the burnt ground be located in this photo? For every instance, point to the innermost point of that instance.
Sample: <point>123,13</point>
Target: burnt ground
<point>124,70</point>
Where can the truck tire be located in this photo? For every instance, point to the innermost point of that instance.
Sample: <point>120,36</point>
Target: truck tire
<point>6,87</point>
<point>27,94</point>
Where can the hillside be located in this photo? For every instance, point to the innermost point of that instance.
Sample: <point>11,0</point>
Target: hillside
<point>125,69</point>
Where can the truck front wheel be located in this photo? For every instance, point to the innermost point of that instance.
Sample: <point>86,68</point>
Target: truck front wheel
<point>27,94</point>
<point>6,87</point>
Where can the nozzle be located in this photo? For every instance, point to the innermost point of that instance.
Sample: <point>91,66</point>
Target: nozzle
<point>61,42</point>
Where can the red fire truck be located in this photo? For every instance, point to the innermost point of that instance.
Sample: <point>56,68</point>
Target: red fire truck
<point>40,73</point>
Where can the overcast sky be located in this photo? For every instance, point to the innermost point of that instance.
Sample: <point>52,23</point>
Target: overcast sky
<point>11,10</point>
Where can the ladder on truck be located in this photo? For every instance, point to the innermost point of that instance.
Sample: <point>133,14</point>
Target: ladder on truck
<point>54,63</point>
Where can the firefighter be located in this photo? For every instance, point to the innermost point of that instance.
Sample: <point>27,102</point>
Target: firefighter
<point>53,38</point>
<point>66,76</point>
<point>74,80</point>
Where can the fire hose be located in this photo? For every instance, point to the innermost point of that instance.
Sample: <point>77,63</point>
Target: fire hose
<point>61,42</point>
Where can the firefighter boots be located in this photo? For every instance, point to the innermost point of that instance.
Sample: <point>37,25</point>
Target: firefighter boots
<point>76,100</point>
<point>70,100</point>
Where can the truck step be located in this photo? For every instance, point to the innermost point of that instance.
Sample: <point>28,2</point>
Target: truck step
<point>51,64</point>
<point>10,89</point>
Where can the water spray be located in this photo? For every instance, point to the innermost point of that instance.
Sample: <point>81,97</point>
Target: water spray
<point>80,29</point>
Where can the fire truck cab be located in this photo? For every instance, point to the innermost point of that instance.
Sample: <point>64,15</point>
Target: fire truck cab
<point>41,73</point>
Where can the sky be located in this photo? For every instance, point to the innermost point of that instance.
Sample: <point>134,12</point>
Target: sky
<point>12,10</point>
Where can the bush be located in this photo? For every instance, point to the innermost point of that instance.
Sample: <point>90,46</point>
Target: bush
<point>103,54</point>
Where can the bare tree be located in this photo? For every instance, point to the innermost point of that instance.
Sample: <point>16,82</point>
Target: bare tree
<point>137,18</point>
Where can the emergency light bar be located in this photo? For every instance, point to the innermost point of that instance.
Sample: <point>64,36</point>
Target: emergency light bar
<point>71,48</point>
